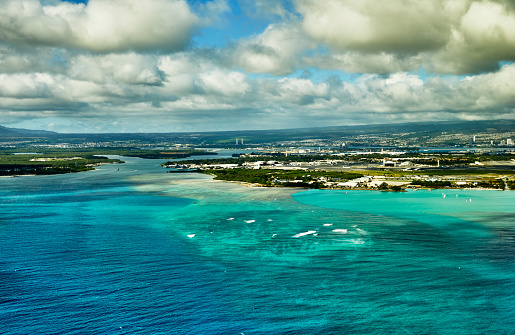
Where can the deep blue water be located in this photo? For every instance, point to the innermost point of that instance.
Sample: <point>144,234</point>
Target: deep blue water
<point>139,251</point>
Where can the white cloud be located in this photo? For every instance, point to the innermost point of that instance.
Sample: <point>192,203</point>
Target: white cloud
<point>100,26</point>
<point>301,91</point>
<point>373,26</point>
<point>108,62</point>
<point>230,84</point>
<point>482,37</point>
<point>129,68</point>
<point>274,51</point>
<point>355,62</point>
<point>447,36</point>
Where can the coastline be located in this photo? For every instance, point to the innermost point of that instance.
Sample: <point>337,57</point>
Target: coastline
<point>54,170</point>
<point>249,184</point>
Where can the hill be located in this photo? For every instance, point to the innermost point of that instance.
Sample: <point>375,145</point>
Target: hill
<point>414,133</point>
<point>19,132</point>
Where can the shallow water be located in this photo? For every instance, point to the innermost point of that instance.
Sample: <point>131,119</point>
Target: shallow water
<point>141,251</point>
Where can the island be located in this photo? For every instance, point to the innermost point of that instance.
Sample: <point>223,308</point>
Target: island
<point>380,171</point>
<point>46,161</point>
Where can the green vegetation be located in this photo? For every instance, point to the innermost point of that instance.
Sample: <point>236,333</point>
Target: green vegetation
<point>492,184</point>
<point>11,165</point>
<point>42,161</point>
<point>484,172</point>
<point>160,154</point>
<point>393,188</point>
<point>442,159</point>
<point>128,152</point>
<point>287,178</point>
<point>432,184</point>
<point>496,184</point>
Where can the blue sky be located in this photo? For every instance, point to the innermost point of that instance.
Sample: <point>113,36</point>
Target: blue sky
<point>176,65</point>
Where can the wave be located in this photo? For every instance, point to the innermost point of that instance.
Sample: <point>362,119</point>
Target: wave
<point>343,231</point>
<point>305,233</point>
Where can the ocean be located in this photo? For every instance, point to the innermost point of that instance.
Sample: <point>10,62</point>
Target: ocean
<point>130,249</point>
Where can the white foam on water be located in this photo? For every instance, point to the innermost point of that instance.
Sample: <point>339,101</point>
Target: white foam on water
<point>250,221</point>
<point>191,235</point>
<point>269,220</point>
<point>327,224</point>
<point>343,231</point>
<point>361,231</point>
<point>304,234</point>
<point>358,241</point>
<point>230,219</point>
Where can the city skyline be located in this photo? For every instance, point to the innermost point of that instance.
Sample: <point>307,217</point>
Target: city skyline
<point>170,65</point>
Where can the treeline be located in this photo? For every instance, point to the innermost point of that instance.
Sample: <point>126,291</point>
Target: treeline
<point>17,170</point>
<point>12,165</point>
<point>152,154</point>
<point>444,159</point>
<point>432,184</point>
<point>494,184</point>
<point>269,177</point>
<point>90,152</point>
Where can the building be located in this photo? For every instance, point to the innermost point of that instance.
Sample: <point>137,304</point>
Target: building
<point>389,163</point>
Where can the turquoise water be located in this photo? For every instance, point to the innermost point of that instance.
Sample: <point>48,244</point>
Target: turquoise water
<point>139,251</point>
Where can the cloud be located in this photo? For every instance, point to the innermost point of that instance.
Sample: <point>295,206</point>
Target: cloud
<point>484,36</point>
<point>224,83</point>
<point>301,91</point>
<point>211,12</point>
<point>100,26</point>
<point>447,37</point>
<point>275,51</point>
<point>217,99</point>
<point>113,64</point>
<point>267,8</point>
<point>356,62</point>
<point>132,68</point>
<point>23,60</point>
<point>26,86</point>
<point>371,26</point>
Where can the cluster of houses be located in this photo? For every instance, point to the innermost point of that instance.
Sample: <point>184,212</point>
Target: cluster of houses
<point>256,165</point>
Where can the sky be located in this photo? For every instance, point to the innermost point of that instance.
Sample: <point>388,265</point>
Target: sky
<point>187,66</point>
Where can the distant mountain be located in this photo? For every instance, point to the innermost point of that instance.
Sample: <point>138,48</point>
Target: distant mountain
<point>220,138</point>
<point>414,129</point>
<point>19,132</point>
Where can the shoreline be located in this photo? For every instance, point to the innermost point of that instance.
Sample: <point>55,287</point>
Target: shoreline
<point>89,167</point>
<point>247,184</point>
